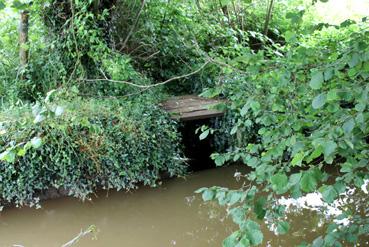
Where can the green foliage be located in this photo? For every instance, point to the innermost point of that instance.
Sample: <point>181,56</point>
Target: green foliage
<point>307,107</point>
<point>297,102</point>
<point>83,145</point>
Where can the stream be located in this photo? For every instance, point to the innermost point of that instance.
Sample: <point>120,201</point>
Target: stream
<point>170,215</point>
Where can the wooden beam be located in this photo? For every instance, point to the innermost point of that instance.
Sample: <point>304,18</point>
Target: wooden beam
<point>191,107</point>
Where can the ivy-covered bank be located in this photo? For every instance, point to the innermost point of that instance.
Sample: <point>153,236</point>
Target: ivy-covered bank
<point>76,116</point>
<point>84,145</point>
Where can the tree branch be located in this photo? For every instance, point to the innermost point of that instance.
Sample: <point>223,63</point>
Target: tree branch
<point>152,85</point>
<point>134,25</point>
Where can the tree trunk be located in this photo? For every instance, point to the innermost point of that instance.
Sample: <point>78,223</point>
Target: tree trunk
<point>268,17</point>
<point>23,42</point>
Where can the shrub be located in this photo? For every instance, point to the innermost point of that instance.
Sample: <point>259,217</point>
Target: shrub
<point>298,113</point>
<point>83,145</point>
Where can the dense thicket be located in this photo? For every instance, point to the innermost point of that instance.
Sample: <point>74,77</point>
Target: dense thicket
<point>297,93</point>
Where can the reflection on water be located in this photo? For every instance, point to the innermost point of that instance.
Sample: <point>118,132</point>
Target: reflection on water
<point>157,217</point>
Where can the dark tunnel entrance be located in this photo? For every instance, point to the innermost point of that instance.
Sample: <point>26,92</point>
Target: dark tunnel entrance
<point>197,151</point>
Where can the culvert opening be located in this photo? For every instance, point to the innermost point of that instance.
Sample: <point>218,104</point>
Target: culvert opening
<point>193,112</point>
<point>197,151</point>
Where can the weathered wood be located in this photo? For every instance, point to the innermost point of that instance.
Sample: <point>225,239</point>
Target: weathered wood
<point>23,40</point>
<point>191,107</point>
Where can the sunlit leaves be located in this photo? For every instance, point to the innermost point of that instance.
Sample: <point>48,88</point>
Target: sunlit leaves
<point>8,156</point>
<point>297,159</point>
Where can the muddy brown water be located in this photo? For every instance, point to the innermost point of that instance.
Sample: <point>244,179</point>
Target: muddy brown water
<point>169,215</point>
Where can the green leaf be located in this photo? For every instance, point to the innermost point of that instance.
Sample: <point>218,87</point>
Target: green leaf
<point>59,111</point>
<point>332,95</point>
<point>290,36</point>
<point>328,74</point>
<point>238,215</point>
<point>315,154</point>
<point>355,58</point>
<point>234,197</point>
<point>329,147</point>
<point>283,227</point>
<point>295,178</point>
<point>255,105</point>
<point>204,134</point>
<point>340,187</point>
<point>231,240</point>
<point>36,142</point>
<point>319,101</point>
<point>244,109</point>
<point>297,159</point>
<point>244,242</point>
<point>253,232</point>
<point>348,126</point>
<point>208,195</point>
<point>279,182</point>
<point>346,167</point>
<point>8,156</point>
<point>308,182</point>
<point>329,193</point>
<point>21,152</point>
<point>18,5</point>
<point>219,159</point>
<point>234,130</point>
<point>318,242</point>
<point>259,209</point>
<point>39,118</point>
<point>360,107</point>
<point>317,80</point>
<point>201,190</point>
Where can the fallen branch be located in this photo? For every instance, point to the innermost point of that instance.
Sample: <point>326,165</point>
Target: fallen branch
<point>82,234</point>
<point>152,85</point>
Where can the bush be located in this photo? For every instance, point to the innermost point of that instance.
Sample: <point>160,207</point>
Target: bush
<point>83,145</point>
<point>295,115</point>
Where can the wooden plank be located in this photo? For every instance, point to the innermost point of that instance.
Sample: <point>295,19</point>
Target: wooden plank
<point>191,107</point>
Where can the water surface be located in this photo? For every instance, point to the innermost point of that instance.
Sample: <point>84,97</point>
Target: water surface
<point>156,217</point>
